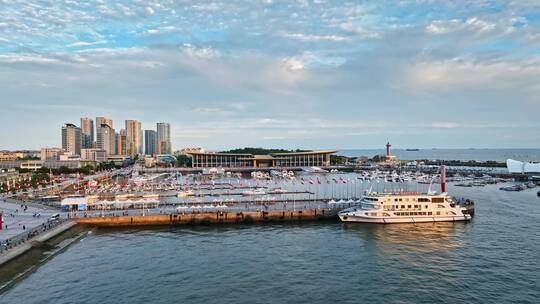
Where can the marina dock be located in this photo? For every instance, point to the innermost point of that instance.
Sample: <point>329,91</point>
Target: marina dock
<point>206,218</point>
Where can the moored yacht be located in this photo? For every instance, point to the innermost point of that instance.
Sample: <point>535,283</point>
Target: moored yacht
<point>409,207</point>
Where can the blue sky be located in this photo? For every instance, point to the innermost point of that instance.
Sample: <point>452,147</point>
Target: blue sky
<point>293,74</point>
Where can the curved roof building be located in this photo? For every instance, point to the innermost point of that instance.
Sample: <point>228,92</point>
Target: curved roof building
<point>286,160</point>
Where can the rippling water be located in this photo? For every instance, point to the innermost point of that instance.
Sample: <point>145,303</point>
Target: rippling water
<point>493,259</point>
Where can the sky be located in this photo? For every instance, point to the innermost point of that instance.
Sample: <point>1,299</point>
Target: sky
<point>305,74</point>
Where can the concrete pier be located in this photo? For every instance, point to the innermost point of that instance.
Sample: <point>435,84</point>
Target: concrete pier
<point>211,218</point>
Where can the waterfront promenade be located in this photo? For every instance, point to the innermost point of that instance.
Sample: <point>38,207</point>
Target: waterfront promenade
<point>19,217</point>
<point>23,223</point>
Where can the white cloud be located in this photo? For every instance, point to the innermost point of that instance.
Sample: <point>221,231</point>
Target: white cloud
<point>84,43</point>
<point>313,37</point>
<point>359,30</point>
<point>473,24</point>
<point>464,74</point>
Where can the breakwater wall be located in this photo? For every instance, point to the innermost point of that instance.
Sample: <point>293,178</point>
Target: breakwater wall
<point>211,218</point>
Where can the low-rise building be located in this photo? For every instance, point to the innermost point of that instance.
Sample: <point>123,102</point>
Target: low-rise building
<point>120,160</point>
<point>50,153</point>
<point>7,156</point>
<point>98,155</point>
<point>32,165</point>
<point>68,157</point>
<point>71,164</point>
<point>277,160</point>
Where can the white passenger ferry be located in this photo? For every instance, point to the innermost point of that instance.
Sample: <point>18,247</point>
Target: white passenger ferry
<point>409,207</point>
<point>406,207</point>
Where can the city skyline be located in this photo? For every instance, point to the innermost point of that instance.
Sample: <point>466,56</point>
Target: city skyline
<point>304,74</point>
<point>132,140</point>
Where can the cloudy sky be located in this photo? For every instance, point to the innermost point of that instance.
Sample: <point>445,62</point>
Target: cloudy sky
<point>294,74</point>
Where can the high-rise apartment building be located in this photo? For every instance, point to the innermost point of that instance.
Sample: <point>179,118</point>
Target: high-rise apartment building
<point>150,142</point>
<point>163,138</point>
<point>105,139</point>
<point>117,144</point>
<point>120,141</point>
<point>71,139</point>
<point>104,121</point>
<point>134,138</point>
<point>87,132</point>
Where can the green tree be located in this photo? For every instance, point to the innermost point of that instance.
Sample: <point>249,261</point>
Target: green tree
<point>338,159</point>
<point>183,161</point>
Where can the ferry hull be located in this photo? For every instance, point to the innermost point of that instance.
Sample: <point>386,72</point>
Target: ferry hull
<point>399,220</point>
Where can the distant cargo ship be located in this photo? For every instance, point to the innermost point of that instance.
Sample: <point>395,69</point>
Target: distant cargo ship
<point>412,150</point>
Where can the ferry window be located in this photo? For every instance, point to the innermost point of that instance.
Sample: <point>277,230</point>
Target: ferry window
<point>402,206</point>
<point>406,199</point>
<point>437,200</point>
<point>408,206</point>
<point>400,199</point>
<point>426,206</point>
<point>429,213</point>
<point>395,200</point>
<point>438,213</point>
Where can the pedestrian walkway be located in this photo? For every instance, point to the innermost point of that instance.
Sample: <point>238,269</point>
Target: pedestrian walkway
<point>21,218</point>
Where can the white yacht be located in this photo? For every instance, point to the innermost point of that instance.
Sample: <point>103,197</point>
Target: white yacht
<point>407,207</point>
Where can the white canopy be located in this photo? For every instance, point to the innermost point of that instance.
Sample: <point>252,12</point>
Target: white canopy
<point>73,201</point>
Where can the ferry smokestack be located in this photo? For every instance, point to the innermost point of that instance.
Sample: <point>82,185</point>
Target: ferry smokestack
<point>443,179</point>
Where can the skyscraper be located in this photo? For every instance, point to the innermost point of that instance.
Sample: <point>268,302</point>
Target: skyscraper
<point>150,142</point>
<point>87,131</point>
<point>120,142</point>
<point>117,144</point>
<point>163,138</point>
<point>134,138</point>
<point>122,147</point>
<point>71,139</point>
<point>103,120</point>
<point>105,139</point>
